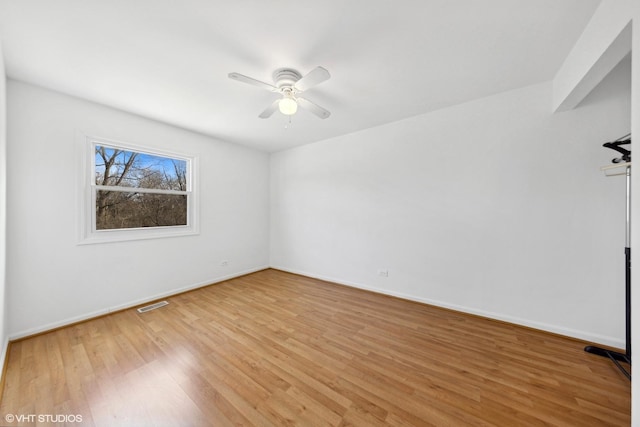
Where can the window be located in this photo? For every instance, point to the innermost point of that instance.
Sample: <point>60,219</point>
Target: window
<point>135,193</point>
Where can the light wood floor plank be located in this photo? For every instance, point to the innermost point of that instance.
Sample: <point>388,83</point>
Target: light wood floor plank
<point>277,349</point>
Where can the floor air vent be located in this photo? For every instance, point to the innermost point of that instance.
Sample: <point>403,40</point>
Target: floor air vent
<point>152,307</point>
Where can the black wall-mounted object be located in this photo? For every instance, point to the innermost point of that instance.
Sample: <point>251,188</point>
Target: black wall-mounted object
<point>616,145</point>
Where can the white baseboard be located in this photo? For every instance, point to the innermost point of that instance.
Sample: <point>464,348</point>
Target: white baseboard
<point>3,364</point>
<point>97,313</point>
<point>4,355</point>
<point>572,333</point>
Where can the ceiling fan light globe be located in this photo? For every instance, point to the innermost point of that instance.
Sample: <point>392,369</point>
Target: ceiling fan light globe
<point>288,106</point>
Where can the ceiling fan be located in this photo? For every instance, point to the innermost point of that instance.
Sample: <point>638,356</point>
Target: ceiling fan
<point>290,84</point>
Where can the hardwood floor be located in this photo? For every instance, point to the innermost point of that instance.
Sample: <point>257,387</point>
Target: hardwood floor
<point>276,349</point>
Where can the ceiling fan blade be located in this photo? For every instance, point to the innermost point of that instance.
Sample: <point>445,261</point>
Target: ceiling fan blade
<point>269,110</point>
<point>314,108</point>
<point>314,77</point>
<point>254,82</point>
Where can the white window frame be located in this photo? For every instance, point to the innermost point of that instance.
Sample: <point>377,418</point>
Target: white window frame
<point>87,190</point>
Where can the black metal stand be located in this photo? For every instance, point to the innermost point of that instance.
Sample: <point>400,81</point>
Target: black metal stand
<point>617,357</point>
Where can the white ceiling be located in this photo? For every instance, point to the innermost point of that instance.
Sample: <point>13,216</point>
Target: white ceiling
<point>169,60</point>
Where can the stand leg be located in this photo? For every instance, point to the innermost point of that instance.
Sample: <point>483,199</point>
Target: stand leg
<point>615,356</point>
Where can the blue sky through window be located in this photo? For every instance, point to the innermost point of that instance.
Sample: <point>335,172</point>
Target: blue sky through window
<point>145,171</point>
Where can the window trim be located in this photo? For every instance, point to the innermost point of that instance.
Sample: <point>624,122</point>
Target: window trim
<point>87,189</point>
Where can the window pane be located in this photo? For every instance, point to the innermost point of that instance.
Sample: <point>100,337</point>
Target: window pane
<point>118,167</point>
<point>117,209</point>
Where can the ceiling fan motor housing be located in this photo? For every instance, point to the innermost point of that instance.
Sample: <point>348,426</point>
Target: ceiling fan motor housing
<point>285,77</point>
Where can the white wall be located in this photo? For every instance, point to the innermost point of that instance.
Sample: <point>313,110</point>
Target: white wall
<point>3,211</point>
<point>495,207</point>
<point>51,280</point>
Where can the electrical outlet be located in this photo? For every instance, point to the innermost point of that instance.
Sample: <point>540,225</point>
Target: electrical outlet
<point>383,273</point>
<point>224,263</point>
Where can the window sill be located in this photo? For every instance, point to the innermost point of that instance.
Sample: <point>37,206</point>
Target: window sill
<point>114,236</point>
